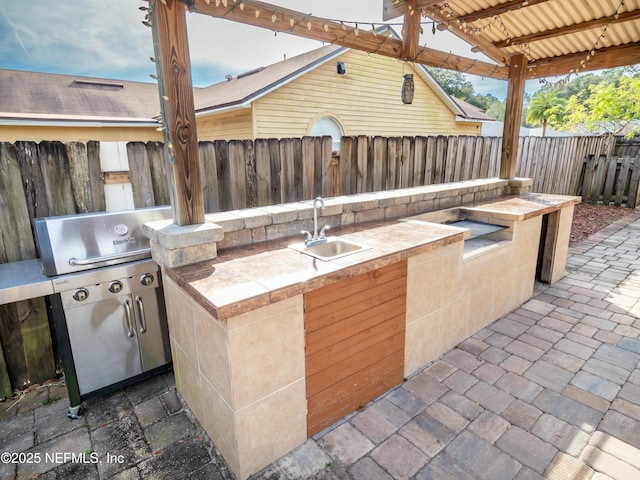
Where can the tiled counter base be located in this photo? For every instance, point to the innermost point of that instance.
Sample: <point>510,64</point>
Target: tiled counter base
<point>237,322</point>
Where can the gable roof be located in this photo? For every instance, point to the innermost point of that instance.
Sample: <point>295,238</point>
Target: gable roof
<point>48,97</point>
<point>248,87</point>
<point>472,112</point>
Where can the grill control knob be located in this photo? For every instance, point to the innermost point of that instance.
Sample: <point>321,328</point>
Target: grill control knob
<point>80,294</point>
<point>146,279</point>
<point>115,286</point>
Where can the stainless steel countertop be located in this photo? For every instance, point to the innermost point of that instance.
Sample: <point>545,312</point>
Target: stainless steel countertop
<point>23,281</point>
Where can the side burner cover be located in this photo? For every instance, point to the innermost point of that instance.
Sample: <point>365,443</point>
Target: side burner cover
<point>478,229</point>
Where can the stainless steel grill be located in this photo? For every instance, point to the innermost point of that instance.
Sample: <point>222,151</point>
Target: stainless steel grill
<point>108,310</point>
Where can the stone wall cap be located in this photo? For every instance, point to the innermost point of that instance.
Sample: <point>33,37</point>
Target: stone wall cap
<point>171,236</point>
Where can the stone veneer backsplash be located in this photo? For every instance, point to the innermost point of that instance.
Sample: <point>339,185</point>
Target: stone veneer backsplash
<point>253,225</point>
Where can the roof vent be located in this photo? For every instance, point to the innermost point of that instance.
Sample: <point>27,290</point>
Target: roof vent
<point>251,72</point>
<point>98,83</point>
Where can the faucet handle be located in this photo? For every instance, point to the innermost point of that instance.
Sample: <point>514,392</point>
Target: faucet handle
<point>308,234</point>
<point>326,227</point>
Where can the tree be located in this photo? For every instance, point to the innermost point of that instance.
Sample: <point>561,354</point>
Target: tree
<point>456,84</point>
<point>496,110</point>
<point>545,106</point>
<point>608,107</point>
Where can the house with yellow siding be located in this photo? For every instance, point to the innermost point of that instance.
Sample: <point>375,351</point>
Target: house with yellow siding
<point>332,90</point>
<point>328,91</point>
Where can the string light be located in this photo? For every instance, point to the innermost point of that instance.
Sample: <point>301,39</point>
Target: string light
<point>592,52</point>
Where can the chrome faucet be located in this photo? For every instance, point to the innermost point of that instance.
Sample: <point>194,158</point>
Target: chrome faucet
<point>316,239</point>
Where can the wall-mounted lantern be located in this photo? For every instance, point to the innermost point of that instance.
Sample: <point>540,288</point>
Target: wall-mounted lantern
<point>408,88</point>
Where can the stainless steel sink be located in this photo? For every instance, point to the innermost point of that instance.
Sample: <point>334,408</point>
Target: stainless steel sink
<point>330,250</point>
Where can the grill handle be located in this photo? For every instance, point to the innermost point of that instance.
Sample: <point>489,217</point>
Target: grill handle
<point>127,310</point>
<point>143,320</point>
<point>105,258</point>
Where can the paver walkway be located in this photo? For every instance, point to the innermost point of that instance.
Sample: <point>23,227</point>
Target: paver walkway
<point>551,390</point>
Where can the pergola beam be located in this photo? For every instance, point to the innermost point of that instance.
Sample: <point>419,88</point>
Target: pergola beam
<point>411,31</point>
<point>498,9</point>
<point>608,57</point>
<point>578,27</point>
<point>284,20</point>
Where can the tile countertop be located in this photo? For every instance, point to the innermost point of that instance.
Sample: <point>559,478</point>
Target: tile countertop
<point>524,207</point>
<point>244,278</point>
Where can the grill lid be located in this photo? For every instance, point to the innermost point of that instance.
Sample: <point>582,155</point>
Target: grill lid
<point>74,243</point>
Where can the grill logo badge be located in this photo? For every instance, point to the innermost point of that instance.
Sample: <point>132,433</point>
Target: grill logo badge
<point>122,241</point>
<point>121,230</point>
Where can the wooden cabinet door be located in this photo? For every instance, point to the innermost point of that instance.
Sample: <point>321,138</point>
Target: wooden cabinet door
<point>354,343</point>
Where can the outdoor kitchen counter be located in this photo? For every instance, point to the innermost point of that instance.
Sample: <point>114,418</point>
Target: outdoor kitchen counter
<point>244,278</point>
<point>22,281</point>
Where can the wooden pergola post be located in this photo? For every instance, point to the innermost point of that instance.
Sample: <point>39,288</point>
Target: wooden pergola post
<point>176,97</point>
<point>411,30</point>
<point>512,116</point>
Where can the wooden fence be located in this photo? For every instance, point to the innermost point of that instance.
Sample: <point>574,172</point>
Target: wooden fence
<point>627,147</point>
<point>611,181</point>
<point>52,178</point>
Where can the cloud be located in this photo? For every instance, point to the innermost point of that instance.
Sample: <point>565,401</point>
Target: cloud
<point>89,37</point>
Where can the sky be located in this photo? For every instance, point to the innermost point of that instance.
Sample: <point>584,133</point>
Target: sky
<point>106,39</point>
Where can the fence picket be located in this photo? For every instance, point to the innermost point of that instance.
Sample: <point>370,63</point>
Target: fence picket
<point>362,163</point>
<point>634,190</point>
<point>607,191</point>
<point>598,180</point>
<point>322,167</point>
<point>429,161</point>
<point>209,174</point>
<point>379,163</point>
<point>160,173</point>
<point>419,161</point>
<point>263,171</point>
<point>621,182</point>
